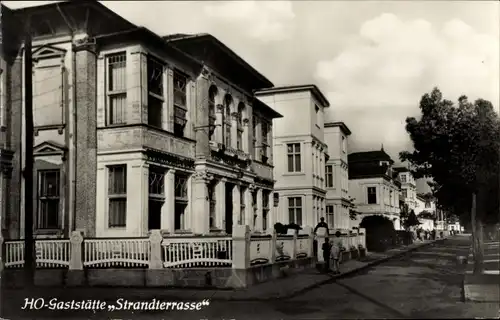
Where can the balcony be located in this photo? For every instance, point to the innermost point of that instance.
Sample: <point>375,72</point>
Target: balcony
<point>262,170</point>
<point>139,136</point>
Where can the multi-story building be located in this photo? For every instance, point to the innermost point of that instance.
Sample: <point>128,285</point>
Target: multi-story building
<point>338,203</point>
<point>9,47</point>
<point>374,185</point>
<point>123,124</point>
<point>408,187</point>
<point>300,152</point>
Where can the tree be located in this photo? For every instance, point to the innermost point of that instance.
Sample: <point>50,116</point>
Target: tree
<point>459,147</point>
<point>411,221</point>
<point>427,215</point>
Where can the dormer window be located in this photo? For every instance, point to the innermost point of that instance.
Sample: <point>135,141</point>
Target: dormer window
<point>384,163</point>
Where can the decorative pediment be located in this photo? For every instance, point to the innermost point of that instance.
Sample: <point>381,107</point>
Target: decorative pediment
<point>49,147</point>
<point>46,52</point>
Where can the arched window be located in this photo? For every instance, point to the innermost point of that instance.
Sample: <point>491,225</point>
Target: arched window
<point>228,101</point>
<point>212,94</point>
<point>239,137</point>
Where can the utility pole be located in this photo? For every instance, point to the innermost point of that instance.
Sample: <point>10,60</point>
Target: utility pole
<point>29,254</point>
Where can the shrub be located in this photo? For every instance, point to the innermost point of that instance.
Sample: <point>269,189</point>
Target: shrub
<point>380,233</point>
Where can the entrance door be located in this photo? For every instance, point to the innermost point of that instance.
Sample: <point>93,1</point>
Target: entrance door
<point>229,208</point>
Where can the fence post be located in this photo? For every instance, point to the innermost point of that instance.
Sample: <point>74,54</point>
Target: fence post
<point>272,258</point>
<point>310,233</point>
<point>294,247</point>
<point>362,239</point>
<point>155,239</point>
<point>76,252</point>
<point>241,247</point>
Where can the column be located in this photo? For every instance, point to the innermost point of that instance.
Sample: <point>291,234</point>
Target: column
<point>220,204</point>
<point>272,212</point>
<point>188,214</point>
<point>249,207</point>
<point>219,126</point>
<point>236,205</point>
<point>234,130</point>
<point>259,223</point>
<point>201,206</point>
<point>313,163</point>
<point>168,208</point>
<point>137,199</point>
<point>246,134</point>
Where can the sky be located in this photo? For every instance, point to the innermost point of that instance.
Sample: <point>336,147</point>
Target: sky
<point>372,59</point>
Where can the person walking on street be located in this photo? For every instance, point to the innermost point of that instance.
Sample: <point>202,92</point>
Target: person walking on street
<point>335,256</point>
<point>327,247</point>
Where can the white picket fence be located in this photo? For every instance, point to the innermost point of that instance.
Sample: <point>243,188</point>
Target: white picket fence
<point>268,249</point>
<point>49,253</point>
<point>197,252</point>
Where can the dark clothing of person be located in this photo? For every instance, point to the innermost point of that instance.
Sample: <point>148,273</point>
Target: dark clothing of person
<point>321,225</point>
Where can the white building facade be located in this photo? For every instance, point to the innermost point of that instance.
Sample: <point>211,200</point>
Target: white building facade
<point>374,186</point>
<point>300,152</point>
<point>337,176</point>
<point>408,187</point>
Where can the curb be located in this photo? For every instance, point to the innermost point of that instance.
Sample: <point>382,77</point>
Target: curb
<point>332,277</point>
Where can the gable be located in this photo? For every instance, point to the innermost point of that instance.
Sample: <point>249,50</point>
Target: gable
<point>47,52</point>
<point>49,147</point>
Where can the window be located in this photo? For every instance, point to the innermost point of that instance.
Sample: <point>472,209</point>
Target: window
<point>117,196</point>
<point>316,109</point>
<point>265,208</point>
<point>293,151</point>
<point>242,206</point>
<point>155,92</point>
<point>264,126</point>
<point>227,120</point>
<point>254,206</point>
<point>404,193</point>
<point>181,200</point>
<point>427,204</point>
<point>48,92</point>
<point>254,130</point>
<point>295,210</point>
<point>116,88</point>
<point>180,103</point>
<point>330,216</point>
<point>156,197</point>
<point>329,176</point>
<point>48,199</point>
<point>344,144</point>
<point>211,111</point>
<point>372,195</point>
<point>403,178</point>
<point>239,133</point>
<point>212,203</point>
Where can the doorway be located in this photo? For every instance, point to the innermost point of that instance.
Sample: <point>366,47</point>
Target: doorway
<point>229,208</point>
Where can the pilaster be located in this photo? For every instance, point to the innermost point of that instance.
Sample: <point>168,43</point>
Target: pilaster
<point>169,118</point>
<point>136,98</point>
<point>168,208</point>
<point>249,219</point>
<point>220,204</point>
<point>219,124</point>
<point>201,206</point>
<point>234,130</point>
<point>259,224</point>
<point>137,199</point>
<point>246,135</point>
<point>236,205</point>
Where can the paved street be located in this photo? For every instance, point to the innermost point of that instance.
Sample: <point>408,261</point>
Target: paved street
<point>422,284</point>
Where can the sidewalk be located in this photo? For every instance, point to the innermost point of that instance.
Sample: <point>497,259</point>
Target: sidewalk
<point>484,287</point>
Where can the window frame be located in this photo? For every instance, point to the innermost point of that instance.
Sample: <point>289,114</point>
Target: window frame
<point>180,108</point>
<point>113,196</point>
<point>368,194</point>
<point>48,199</point>
<point>294,208</point>
<point>113,93</point>
<point>329,176</point>
<point>181,200</point>
<point>296,166</point>
<point>156,119</point>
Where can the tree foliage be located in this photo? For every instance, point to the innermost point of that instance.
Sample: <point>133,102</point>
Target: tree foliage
<point>427,215</point>
<point>407,217</point>
<point>459,147</point>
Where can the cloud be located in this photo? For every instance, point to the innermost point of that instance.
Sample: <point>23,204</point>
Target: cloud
<point>264,20</point>
<point>391,63</point>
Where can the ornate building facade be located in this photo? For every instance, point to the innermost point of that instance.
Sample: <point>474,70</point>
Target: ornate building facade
<point>133,132</point>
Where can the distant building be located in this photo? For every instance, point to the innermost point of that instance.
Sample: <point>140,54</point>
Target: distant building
<point>408,187</point>
<point>300,152</point>
<point>374,185</point>
<point>337,176</point>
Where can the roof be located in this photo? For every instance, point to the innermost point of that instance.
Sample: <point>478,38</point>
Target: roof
<point>296,88</point>
<point>342,126</point>
<point>401,169</point>
<point>181,37</point>
<point>259,104</point>
<point>142,33</point>
<point>369,156</point>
